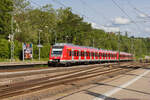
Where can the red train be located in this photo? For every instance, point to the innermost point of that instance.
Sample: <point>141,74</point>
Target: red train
<point>66,54</point>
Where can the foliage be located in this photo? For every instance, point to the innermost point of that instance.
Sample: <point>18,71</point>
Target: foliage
<point>59,25</point>
<point>4,49</point>
<point>6,7</point>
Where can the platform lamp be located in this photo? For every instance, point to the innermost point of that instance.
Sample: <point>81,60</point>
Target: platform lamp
<point>39,45</point>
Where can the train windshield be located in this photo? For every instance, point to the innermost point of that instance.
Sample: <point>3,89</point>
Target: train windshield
<point>56,51</point>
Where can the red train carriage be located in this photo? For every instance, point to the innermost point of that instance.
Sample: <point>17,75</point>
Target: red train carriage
<point>68,53</point>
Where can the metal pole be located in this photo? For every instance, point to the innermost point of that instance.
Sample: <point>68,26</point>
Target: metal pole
<point>32,51</point>
<point>39,44</point>
<point>12,38</point>
<point>55,37</point>
<point>39,53</point>
<point>23,51</point>
<point>119,45</point>
<point>93,39</point>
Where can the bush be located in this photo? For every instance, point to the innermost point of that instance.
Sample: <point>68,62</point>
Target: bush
<point>44,51</point>
<point>18,50</point>
<point>4,49</point>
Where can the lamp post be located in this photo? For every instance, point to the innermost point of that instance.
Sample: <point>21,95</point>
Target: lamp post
<point>39,45</point>
<point>12,37</point>
<point>119,46</point>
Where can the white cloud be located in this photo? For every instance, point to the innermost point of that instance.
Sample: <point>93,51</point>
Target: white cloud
<point>147,29</point>
<point>94,25</point>
<point>110,29</point>
<point>106,28</point>
<point>121,21</point>
<point>142,15</point>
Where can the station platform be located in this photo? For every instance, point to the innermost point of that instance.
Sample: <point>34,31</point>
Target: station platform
<point>25,63</point>
<point>134,85</point>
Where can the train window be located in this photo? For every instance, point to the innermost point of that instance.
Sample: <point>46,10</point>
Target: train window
<point>99,54</point>
<point>95,54</point>
<point>77,53</point>
<point>103,55</point>
<point>92,54</point>
<point>70,53</point>
<point>87,54</point>
<point>82,53</point>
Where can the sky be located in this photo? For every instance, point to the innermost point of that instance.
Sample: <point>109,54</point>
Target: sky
<point>132,16</point>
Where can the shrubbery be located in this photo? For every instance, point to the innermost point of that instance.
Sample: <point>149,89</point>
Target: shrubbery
<point>5,51</point>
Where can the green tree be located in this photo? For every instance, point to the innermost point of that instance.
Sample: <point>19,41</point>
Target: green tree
<point>6,7</point>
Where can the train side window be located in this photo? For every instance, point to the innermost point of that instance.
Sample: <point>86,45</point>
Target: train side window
<point>99,54</point>
<point>82,53</point>
<point>95,54</point>
<point>74,53</point>
<point>103,55</point>
<point>77,53</point>
<point>70,53</point>
<point>87,54</point>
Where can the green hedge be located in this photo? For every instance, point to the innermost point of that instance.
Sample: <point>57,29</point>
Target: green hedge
<point>5,50</point>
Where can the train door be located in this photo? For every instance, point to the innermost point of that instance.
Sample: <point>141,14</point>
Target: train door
<point>82,55</point>
<point>69,54</point>
<point>75,54</point>
<point>106,56</point>
<point>109,55</point>
<point>87,55</point>
<point>96,55</point>
<point>100,57</point>
<point>117,56</point>
<point>103,55</point>
<point>92,55</point>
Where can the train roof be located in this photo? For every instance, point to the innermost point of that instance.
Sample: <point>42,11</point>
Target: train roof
<point>89,48</point>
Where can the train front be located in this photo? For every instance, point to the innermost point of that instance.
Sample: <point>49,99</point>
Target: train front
<point>55,54</point>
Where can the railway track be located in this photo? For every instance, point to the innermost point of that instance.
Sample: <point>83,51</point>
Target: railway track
<point>48,70</point>
<point>54,80</point>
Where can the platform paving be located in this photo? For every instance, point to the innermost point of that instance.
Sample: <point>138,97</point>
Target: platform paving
<point>9,64</point>
<point>133,85</point>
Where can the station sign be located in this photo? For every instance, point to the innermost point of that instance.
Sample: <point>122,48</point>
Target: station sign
<point>39,46</point>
